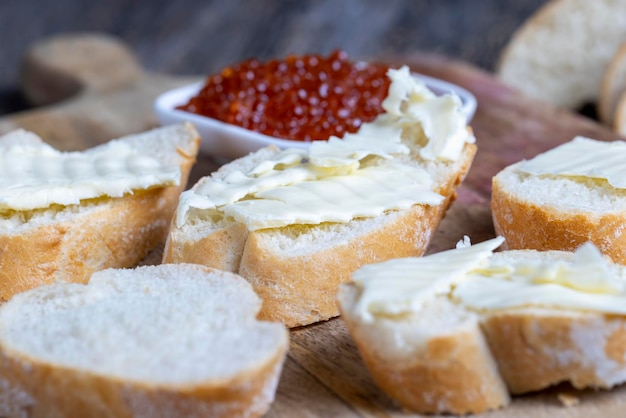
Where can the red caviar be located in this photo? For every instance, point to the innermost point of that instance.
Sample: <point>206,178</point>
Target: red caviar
<point>298,98</point>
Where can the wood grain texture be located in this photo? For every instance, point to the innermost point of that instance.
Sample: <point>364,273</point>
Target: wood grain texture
<point>324,376</point>
<point>202,36</point>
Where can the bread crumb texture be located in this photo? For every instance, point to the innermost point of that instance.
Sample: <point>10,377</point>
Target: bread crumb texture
<point>168,340</point>
<point>543,58</point>
<point>444,353</point>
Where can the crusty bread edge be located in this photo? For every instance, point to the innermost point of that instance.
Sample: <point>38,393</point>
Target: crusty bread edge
<point>62,391</point>
<point>297,290</point>
<point>72,250</point>
<point>612,87</point>
<point>538,348</point>
<point>45,388</point>
<point>451,373</point>
<point>619,117</point>
<point>526,225</point>
<point>534,348</point>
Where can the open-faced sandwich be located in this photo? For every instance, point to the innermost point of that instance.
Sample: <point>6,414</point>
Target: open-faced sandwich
<point>563,198</point>
<point>296,223</point>
<point>461,330</point>
<point>157,341</point>
<point>64,215</point>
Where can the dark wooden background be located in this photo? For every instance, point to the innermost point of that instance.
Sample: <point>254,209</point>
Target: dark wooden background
<point>199,37</point>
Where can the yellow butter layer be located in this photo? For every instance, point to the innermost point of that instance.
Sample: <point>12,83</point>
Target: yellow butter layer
<point>36,176</point>
<point>480,280</point>
<point>402,285</point>
<point>587,281</point>
<point>582,157</point>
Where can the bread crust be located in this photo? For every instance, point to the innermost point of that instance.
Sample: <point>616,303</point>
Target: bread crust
<point>106,232</point>
<point>527,225</point>
<point>536,349</point>
<point>533,348</point>
<point>221,249</point>
<point>41,383</point>
<point>301,289</point>
<point>453,372</point>
<point>619,120</point>
<point>57,391</point>
<point>453,375</point>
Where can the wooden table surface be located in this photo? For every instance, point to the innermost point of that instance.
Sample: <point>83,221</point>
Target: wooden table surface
<point>201,36</point>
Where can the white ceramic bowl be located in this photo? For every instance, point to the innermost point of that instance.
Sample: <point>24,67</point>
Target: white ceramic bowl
<point>229,141</point>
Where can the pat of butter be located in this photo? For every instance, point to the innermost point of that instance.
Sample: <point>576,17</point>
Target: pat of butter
<point>586,282</point>
<point>402,285</point>
<point>35,175</point>
<point>582,157</point>
<point>410,102</point>
<point>365,193</point>
<point>352,148</point>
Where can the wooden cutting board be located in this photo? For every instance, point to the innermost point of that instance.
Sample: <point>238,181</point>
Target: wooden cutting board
<point>90,88</point>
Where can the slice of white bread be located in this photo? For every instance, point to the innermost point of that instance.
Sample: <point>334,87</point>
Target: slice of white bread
<point>69,243</point>
<point>297,269</point>
<point>612,87</point>
<point>156,341</point>
<point>447,357</point>
<point>557,212</point>
<point>297,223</point>
<point>560,53</point>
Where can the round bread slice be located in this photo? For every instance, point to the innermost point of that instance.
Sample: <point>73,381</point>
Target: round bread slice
<point>612,87</point>
<point>558,213</point>
<point>156,341</point>
<point>560,53</point>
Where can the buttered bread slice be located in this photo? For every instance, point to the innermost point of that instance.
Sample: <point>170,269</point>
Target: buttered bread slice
<point>562,198</point>
<point>296,223</point>
<point>65,215</point>
<point>458,331</point>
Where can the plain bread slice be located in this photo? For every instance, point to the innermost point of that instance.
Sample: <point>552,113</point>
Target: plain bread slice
<point>560,53</point>
<point>158,341</point>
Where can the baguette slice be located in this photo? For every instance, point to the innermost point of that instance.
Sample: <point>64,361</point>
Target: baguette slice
<point>69,243</point>
<point>558,213</point>
<point>560,53</point>
<point>297,269</point>
<point>612,87</point>
<point>449,357</point>
<point>156,341</point>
